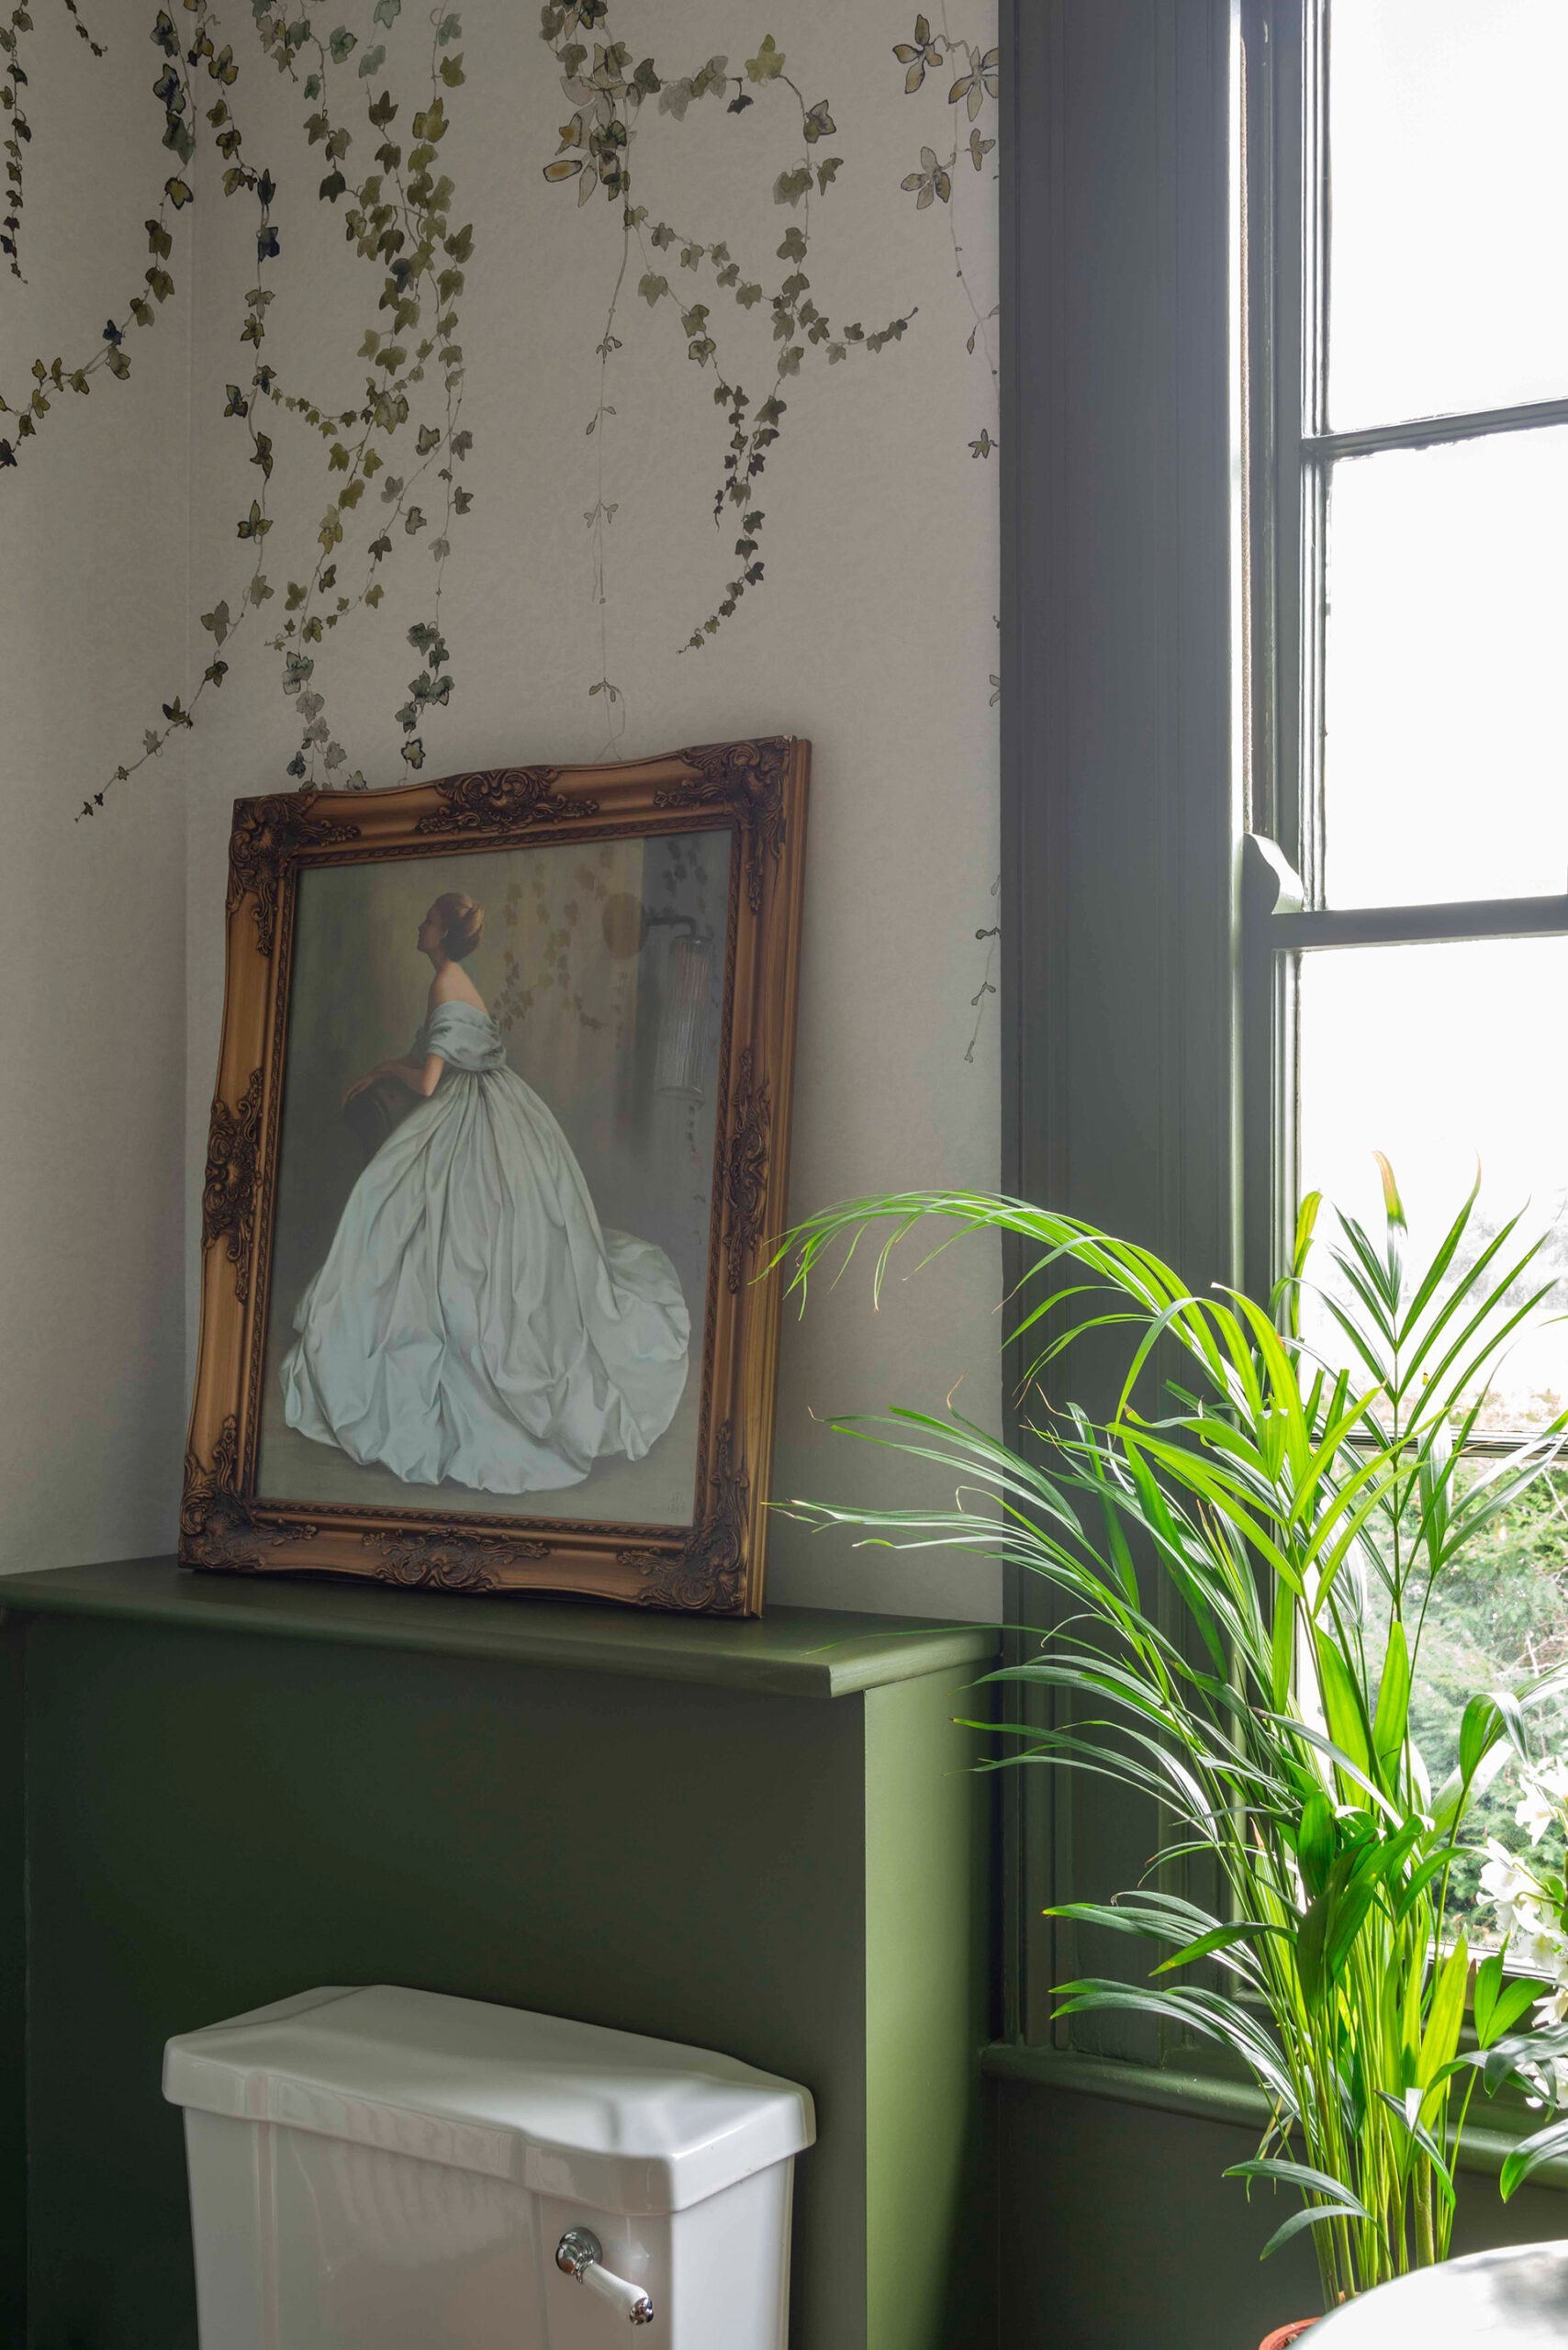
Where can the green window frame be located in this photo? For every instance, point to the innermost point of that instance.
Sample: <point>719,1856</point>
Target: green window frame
<point>1121,766</point>
<point>1167,460</point>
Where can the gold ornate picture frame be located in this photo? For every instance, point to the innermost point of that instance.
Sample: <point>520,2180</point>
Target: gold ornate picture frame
<point>643,950</point>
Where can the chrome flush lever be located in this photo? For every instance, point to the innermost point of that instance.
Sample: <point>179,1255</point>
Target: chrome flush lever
<point>580,2255</point>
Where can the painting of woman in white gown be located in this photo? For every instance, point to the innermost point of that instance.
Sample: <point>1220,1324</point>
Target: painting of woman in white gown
<point>491,1248</point>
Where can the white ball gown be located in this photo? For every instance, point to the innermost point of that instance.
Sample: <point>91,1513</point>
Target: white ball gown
<point>473,1321</point>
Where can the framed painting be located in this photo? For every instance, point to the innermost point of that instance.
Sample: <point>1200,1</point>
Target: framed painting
<point>498,1147</point>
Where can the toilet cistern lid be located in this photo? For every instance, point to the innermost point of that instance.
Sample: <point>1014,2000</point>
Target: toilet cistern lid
<point>567,2110</point>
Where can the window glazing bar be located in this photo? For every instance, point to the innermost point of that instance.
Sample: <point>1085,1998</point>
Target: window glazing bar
<point>1290,930</point>
<point>1426,431</point>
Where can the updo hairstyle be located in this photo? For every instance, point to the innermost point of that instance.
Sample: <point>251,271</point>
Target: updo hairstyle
<point>461,923</point>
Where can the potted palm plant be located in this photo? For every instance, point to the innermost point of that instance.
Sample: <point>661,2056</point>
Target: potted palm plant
<point>1302,1497</point>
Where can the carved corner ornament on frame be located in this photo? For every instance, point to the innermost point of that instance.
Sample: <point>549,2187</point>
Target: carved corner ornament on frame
<point>450,1537</point>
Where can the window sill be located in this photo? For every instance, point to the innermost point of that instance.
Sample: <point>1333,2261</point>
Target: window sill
<point>1208,2098</point>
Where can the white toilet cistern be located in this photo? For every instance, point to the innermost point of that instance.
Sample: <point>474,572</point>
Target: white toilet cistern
<point>380,2169</point>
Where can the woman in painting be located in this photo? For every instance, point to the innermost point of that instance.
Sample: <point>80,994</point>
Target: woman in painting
<point>472,1320</point>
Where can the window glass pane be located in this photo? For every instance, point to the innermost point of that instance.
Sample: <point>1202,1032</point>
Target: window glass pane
<point>1449,175</point>
<point>1445,680</point>
<point>1440,1056</point>
<point>1498,1618</point>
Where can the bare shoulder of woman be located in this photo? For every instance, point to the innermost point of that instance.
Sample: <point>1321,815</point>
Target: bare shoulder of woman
<point>453,985</point>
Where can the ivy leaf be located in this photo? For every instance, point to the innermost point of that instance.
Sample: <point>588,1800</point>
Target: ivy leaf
<point>372,59</point>
<point>387,12</point>
<point>218,621</point>
<point>793,247</point>
<point>819,123</point>
<point>449,28</point>
<point>651,287</point>
<point>828,171</point>
<point>769,63</point>
<point>790,186</point>
<point>414,753</point>
<point>739,106</point>
<point>451,72</point>
<point>414,519</point>
<point>113,335</point>
<point>342,42</point>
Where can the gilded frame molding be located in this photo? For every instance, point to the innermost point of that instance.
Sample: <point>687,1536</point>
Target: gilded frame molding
<point>714,1566</point>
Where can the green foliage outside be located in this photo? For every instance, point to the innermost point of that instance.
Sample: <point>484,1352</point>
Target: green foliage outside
<point>1501,1619</point>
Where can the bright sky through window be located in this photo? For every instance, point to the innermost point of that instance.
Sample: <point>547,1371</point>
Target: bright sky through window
<point>1444,586</point>
<point>1451,206</point>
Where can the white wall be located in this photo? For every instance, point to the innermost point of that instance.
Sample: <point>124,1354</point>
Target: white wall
<point>873,632</point>
<point>93,598</point>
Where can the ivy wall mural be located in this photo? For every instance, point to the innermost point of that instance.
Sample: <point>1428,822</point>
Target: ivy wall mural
<point>373,111</point>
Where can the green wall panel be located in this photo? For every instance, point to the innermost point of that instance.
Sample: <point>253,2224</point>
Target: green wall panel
<point>214,1821</point>
<point>924,1958</point>
<point>1116,2228</point>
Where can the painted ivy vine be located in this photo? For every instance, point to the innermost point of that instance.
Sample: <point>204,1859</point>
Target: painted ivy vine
<point>940,177</point>
<point>928,59</point>
<point>17,135</point>
<point>396,205</point>
<point>612,95</point>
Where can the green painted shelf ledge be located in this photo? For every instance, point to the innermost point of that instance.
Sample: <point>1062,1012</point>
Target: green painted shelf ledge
<point>790,1651</point>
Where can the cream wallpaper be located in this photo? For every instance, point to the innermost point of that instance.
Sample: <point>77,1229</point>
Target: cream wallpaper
<point>92,919</point>
<point>677,323</point>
